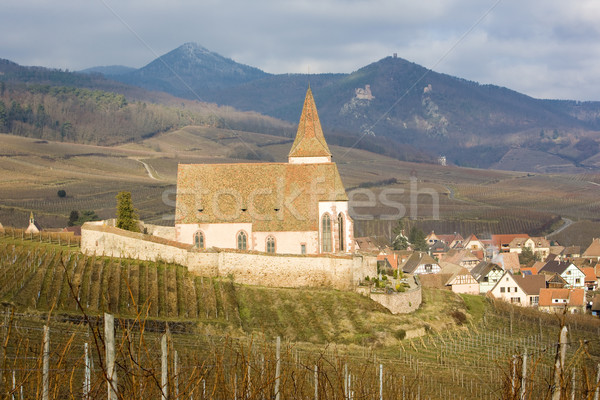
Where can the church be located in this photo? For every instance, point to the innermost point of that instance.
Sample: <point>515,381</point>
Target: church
<point>298,207</point>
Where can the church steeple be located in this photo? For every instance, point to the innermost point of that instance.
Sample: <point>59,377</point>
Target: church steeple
<point>310,145</point>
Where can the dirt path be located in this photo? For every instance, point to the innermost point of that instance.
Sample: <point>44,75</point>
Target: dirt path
<point>567,223</point>
<point>151,173</point>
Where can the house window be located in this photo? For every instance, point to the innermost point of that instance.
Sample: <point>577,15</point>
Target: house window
<point>199,240</point>
<point>577,280</point>
<point>515,300</point>
<point>428,267</point>
<point>535,300</point>
<point>502,290</point>
<point>326,234</point>
<point>485,279</point>
<point>270,244</point>
<point>516,290</point>
<point>341,230</point>
<point>303,248</point>
<point>242,240</point>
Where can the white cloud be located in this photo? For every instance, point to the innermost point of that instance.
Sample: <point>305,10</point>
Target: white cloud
<point>544,48</point>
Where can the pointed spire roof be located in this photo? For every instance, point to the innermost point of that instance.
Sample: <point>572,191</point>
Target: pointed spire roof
<point>310,141</point>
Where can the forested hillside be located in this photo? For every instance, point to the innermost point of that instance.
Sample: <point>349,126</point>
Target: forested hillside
<point>81,108</point>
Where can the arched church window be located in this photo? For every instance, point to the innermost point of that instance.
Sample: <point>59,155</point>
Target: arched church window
<point>341,230</point>
<point>326,234</point>
<point>199,240</point>
<point>242,240</point>
<point>270,244</point>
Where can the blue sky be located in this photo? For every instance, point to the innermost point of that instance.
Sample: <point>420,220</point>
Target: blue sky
<point>543,48</point>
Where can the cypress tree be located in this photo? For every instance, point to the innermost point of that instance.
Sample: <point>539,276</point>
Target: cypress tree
<point>126,215</point>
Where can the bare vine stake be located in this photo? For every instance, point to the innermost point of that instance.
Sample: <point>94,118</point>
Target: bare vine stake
<point>278,368</point>
<point>573,385</point>
<point>316,382</point>
<point>524,376</point>
<point>380,381</point>
<point>164,387</point>
<point>109,339</point>
<point>46,364</point>
<point>86,375</point>
<point>176,368</point>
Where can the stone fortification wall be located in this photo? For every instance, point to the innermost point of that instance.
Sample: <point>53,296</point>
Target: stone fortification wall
<point>339,272</point>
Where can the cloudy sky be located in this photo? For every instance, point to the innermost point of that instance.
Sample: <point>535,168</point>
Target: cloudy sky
<point>543,48</point>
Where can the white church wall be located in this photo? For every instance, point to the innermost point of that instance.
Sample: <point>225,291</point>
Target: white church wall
<point>288,242</point>
<point>215,235</point>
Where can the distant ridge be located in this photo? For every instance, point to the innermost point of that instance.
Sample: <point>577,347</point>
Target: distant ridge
<point>391,106</point>
<point>194,67</point>
<point>109,70</point>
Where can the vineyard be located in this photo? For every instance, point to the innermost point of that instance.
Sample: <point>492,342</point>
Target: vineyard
<point>204,337</point>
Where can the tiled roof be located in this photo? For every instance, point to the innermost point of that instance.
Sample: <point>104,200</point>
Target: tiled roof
<point>499,240</point>
<point>554,267</point>
<point>366,244</point>
<point>571,250</point>
<point>531,284</point>
<point>508,261</point>
<point>574,297</point>
<point>483,269</point>
<point>418,258</point>
<point>309,141</point>
<point>273,196</point>
<point>455,256</point>
<point>590,274</point>
<point>450,238</point>
<point>593,249</point>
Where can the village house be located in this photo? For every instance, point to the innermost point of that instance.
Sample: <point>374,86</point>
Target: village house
<point>460,279</point>
<point>438,249</point>
<point>462,257</point>
<point>501,243</point>
<point>554,281</point>
<point>298,207</point>
<point>451,277</point>
<point>420,263</point>
<point>487,274</point>
<point>539,246</point>
<point>472,243</point>
<point>574,277</point>
<point>593,250</point>
<point>453,241</point>
<point>519,289</point>
<point>555,300</point>
<point>432,238</point>
<point>570,252</point>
